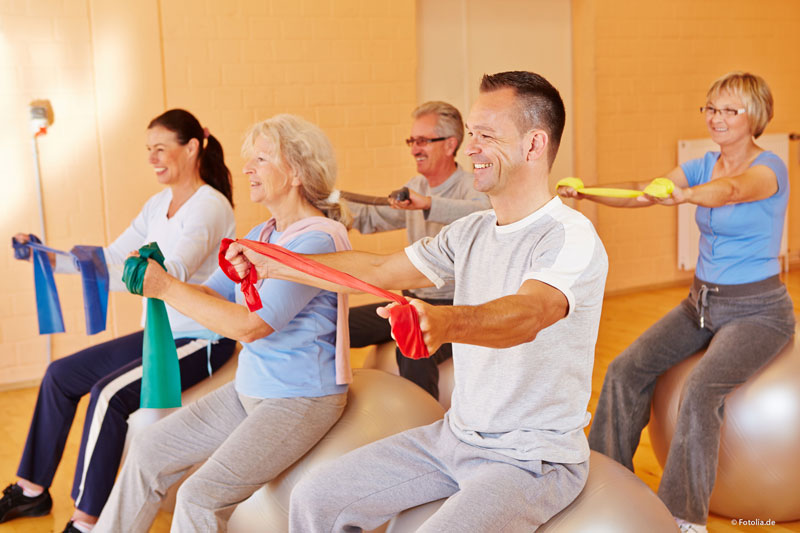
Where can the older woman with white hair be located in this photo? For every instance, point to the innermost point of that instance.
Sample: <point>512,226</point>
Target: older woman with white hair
<point>289,387</point>
<point>738,309</point>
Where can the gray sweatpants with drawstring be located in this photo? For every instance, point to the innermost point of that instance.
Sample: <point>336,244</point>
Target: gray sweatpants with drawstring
<point>744,327</point>
<point>485,490</point>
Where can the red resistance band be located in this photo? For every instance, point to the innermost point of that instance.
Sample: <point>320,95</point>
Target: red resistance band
<point>404,319</point>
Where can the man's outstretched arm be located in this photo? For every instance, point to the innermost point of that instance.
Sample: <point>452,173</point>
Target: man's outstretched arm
<point>499,323</point>
<point>393,271</point>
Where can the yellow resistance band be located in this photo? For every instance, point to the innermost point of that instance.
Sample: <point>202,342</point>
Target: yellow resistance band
<point>658,188</point>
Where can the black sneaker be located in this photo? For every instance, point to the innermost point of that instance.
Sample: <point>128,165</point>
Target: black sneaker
<point>14,504</point>
<point>70,528</point>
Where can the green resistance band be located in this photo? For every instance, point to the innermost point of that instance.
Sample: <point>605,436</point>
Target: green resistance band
<point>161,374</point>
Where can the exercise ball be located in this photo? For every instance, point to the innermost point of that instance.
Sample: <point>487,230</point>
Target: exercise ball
<point>447,383</point>
<point>383,357</point>
<point>612,501</point>
<point>379,405</point>
<point>759,453</point>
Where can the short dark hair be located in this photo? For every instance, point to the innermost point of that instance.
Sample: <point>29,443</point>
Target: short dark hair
<point>540,104</point>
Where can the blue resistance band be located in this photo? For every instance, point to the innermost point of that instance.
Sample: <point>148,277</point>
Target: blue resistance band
<point>91,262</point>
<point>94,275</point>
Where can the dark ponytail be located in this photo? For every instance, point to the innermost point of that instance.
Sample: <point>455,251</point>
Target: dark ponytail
<point>213,169</point>
<point>211,159</point>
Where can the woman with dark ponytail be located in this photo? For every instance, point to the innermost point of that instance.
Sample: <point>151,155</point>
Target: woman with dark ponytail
<point>210,157</point>
<point>187,219</point>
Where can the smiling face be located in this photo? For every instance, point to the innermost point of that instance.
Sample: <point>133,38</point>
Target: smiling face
<point>267,174</point>
<point>494,143</point>
<point>436,157</point>
<point>171,160</point>
<point>724,129</point>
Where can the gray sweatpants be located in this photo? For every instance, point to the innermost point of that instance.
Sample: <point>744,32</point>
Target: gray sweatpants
<point>486,491</point>
<point>745,327</point>
<point>245,442</point>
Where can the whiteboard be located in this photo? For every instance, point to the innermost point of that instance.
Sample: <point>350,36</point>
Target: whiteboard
<point>688,232</point>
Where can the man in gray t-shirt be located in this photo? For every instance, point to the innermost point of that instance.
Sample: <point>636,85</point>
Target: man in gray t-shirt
<point>529,276</point>
<point>441,193</point>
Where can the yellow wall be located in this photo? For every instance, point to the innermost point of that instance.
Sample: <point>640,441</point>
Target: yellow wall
<point>639,71</point>
<point>642,69</point>
<point>109,67</point>
<point>458,41</point>
<point>348,66</point>
<point>46,52</point>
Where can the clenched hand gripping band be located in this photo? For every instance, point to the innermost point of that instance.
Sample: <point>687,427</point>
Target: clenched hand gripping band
<point>161,373</point>
<point>404,319</point>
<point>658,188</point>
<point>94,276</point>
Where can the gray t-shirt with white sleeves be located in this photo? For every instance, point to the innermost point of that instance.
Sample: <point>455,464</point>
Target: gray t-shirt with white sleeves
<point>528,401</point>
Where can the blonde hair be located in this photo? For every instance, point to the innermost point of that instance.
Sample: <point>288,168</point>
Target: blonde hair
<point>308,153</point>
<point>448,120</point>
<point>754,93</point>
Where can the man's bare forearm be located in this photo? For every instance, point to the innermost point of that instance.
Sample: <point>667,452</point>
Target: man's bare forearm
<point>501,323</point>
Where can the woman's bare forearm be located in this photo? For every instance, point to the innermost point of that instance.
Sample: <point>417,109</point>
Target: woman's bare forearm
<point>208,308</point>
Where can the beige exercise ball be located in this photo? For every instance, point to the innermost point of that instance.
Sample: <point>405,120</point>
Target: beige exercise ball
<point>446,382</point>
<point>379,405</point>
<point>383,357</point>
<point>759,455</point>
<point>613,501</point>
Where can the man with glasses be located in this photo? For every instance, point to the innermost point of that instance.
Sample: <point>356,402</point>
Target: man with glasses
<point>441,193</point>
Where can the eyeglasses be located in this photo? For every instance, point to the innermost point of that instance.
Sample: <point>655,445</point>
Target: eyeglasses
<point>710,111</point>
<point>423,141</point>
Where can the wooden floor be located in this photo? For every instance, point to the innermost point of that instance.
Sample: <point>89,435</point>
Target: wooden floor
<point>624,318</point>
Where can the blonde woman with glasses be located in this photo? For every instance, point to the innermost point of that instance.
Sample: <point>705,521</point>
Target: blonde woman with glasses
<point>738,309</point>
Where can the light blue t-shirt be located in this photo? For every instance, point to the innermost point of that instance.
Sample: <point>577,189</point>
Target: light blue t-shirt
<point>739,243</point>
<point>298,358</point>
